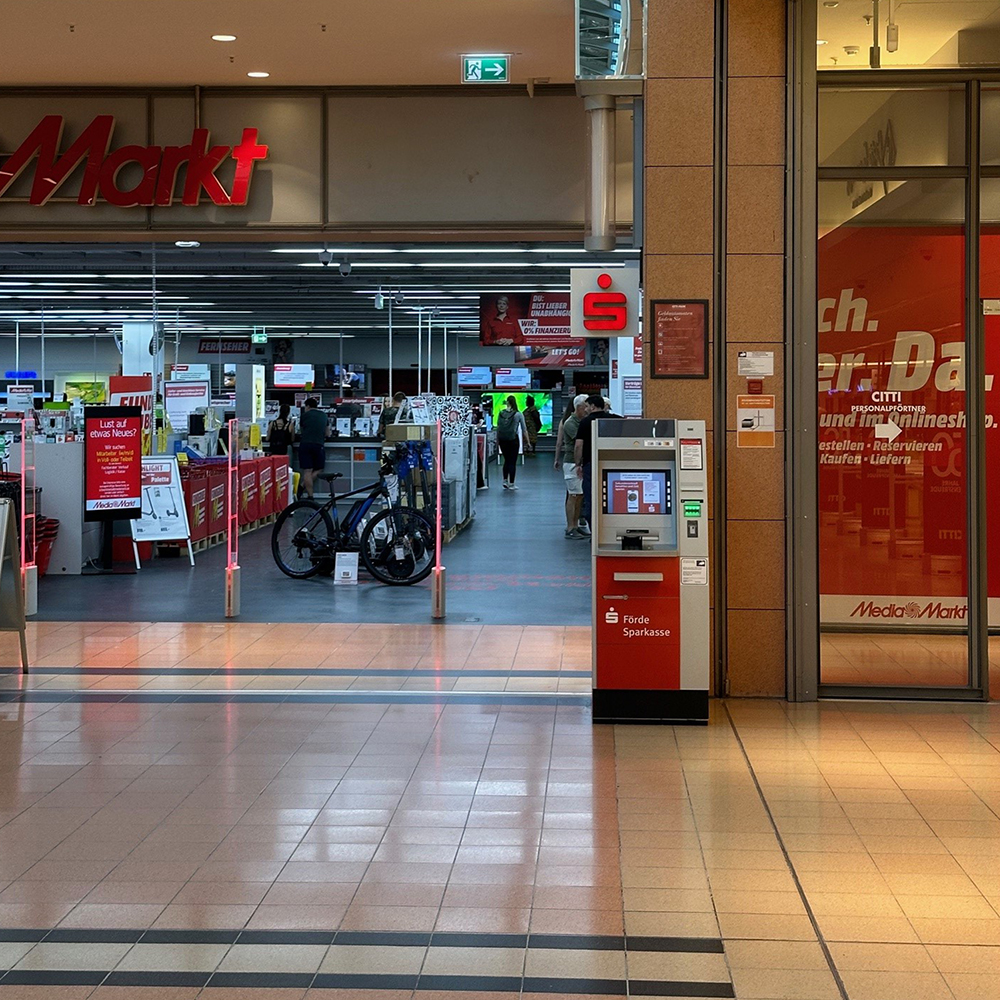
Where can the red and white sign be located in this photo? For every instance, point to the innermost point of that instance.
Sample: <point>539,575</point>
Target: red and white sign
<point>164,512</point>
<point>135,390</point>
<point>604,302</point>
<point>112,462</point>
<point>537,325</point>
<point>512,378</point>
<point>159,166</point>
<point>294,376</point>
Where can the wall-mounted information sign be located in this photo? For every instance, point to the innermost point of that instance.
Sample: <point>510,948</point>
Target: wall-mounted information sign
<point>679,338</point>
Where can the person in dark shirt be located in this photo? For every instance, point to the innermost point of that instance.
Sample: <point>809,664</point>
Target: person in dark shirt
<point>313,432</point>
<point>582,448</point>
<point>389,413</point>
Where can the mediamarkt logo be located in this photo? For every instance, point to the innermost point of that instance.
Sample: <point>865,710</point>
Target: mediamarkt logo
<point>159,164</point>
<point>911,610</point>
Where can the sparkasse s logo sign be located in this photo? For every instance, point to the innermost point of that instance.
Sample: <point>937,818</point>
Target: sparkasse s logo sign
<point>159,166</point>
<point>604,301</point>
<point>911,610</point>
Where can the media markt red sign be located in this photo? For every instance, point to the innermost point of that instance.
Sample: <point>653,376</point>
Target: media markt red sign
<point>112,462</point>
<point>104,170</point>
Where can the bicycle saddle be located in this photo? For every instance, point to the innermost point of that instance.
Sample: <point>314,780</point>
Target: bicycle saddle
<point>330,476</point>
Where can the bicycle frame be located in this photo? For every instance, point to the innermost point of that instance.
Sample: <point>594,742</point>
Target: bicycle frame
<point>348,525</point>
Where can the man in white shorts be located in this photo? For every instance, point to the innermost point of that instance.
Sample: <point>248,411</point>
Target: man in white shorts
<point>565,442</point>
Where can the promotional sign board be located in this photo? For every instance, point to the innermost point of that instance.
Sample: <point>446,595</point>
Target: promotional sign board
<point>20,397</point>
<point>294,376</point>
<point>604,302</point>
<point>632,396</point>
<point>512,378</point>
<point>135,390</point>
<point>475,378</point>
<point>164,513</point>
<point>191,373</point>
<point>536,325</point>
<point>181,399</point>
<point>112,462</point>
<point>892,425</point>
<point>680,338</point>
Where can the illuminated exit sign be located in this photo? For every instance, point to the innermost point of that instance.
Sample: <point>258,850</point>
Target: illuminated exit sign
<point>486,69</point>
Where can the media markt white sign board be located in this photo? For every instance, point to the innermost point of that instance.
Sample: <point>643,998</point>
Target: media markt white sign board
<point>164,515</point>
<point>478,68</point>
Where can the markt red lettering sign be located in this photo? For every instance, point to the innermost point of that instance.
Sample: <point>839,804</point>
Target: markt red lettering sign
<point>112,462</point>
<point>159,166</point>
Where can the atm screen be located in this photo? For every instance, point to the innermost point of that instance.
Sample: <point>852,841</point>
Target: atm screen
<point>635,492</point>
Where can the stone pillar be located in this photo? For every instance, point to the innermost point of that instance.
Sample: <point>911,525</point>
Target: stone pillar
<point>681,254</point>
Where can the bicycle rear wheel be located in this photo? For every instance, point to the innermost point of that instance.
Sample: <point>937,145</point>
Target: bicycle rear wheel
<point>397,546</point>
<point>302,539</point>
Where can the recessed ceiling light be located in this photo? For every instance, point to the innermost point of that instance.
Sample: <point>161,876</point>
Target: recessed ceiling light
<point>821,41</point>
<point>831,3</point>
<point>186,243</point>
<point>223,38</point>
<point>258,74</point>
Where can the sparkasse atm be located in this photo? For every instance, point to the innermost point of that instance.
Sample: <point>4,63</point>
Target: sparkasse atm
<point>650,551</point>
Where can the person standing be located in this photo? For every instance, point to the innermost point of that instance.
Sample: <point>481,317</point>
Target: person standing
<point>511,431</point>
<point>533,421</point>
<point>566,458</point>
<point>314,429</point>
<point>389,412</point>
<point>280,432</point>
<point>582,448</point>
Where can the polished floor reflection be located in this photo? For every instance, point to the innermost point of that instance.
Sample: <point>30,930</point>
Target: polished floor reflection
<point>421,841</point>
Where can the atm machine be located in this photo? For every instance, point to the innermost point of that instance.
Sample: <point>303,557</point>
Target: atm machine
<point>650,552</point>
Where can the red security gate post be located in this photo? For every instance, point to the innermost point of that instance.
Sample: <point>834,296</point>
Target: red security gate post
<point>438,582</point>
<point>232,523</point>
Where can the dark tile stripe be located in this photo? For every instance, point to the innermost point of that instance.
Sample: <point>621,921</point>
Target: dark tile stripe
<point>578,942</point>
<point>185,937</point>
<point>392,939</point>
<point>56,977</point>
<point>137,979</point>
<point>705,946</point>
<point>22,934</point>
<point>598,987</point>
<point>291,672</point>
<point>260,980</point>
<point>471,939</point>
<point>472,984</point>
<point>361,981</point>
<point>60,935</point>
<point>269,697</point>
<point>679,988</point>
<point>286,937</point>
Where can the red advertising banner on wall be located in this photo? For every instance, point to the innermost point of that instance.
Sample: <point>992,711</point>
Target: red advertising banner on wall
<point>112,462</point>
<point>892,487</point>
<point>536,325</point>
<point>135,390</point>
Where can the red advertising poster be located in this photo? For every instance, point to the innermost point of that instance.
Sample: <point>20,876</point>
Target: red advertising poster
<point>112,463</point>
<point>892,418</point>
<point>637,350</point>
<point>536,325</point>
<point>135,390</point>
<point>680,339</point>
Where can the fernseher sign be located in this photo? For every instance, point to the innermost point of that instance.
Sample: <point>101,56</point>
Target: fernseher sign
<point>152,170</point>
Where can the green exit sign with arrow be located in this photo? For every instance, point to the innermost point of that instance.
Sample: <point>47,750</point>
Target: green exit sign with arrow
<point>486,69</point>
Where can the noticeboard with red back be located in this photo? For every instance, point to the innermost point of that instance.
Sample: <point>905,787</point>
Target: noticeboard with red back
<point>113,462</point>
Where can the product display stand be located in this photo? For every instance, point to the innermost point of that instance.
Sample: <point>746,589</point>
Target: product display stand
<point>11,586</point>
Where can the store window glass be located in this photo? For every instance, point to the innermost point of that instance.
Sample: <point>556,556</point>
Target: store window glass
<point>891,400</point>
<point>989,139</point>
<point>876,127</point>
<point>862,34</point>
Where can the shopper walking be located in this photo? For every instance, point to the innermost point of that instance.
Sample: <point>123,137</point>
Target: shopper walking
<point>280,432</point>
<point>582,447</point>
<point>313,432</point>
<point>533,421</point>
<point>566,459</point>
<point>511,431</point>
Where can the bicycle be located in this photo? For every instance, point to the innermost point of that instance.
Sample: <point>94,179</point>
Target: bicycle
<point>396,544</point>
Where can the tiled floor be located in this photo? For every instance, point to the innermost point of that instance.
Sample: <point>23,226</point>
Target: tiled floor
<point>475,842</point>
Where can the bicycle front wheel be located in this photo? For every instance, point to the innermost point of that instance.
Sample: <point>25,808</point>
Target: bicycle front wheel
<point>397,546</point>
<point>302,539</point>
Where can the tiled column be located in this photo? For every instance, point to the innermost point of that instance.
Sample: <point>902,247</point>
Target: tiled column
<point>680,254</point>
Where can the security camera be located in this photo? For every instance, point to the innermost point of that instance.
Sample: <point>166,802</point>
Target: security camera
<point>379,300</point>
<point>345,268</point>
<point>400,298</point>
<point>325,258</point>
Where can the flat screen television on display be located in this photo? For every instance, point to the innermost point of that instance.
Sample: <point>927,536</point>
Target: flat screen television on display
<point>512,378</point>
<point>494,402</point>
<point>634,491</point>
<point>475,378</point>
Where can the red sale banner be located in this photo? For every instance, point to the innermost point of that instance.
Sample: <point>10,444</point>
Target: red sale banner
<point>112,462</point>
<point>135,390</point>
<point>891,367</point>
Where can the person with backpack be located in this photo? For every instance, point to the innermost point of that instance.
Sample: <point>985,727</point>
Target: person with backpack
<point>280,432</point>
<point>511,431</point>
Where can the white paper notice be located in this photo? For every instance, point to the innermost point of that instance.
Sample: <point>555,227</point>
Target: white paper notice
<point>694,572</point>
<point>651,491</point>
<point>691,454</point>
<point>345,570</point>
<point>755,364</point>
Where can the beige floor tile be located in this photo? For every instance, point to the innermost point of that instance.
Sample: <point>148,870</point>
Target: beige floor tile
<point>674,965</point>
<point>866,957</point>
<point>776,955</point>
<point>777,984</point>
<point>560,963</point>
<point>896,985</point>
